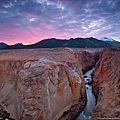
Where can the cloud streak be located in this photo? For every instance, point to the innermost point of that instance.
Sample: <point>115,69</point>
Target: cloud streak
<point>29,21</point>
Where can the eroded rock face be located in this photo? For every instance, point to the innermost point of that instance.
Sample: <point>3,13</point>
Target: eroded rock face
<point>107,85</point>
<point>85,57</point>
<point>44,84</point>
<point>10,100</point>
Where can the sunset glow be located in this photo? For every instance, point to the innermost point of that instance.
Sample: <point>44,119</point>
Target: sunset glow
<point>29,21</point>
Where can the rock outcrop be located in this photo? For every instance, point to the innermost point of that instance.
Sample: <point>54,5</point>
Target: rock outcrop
<point>44,84</point>
<point>106,85</point>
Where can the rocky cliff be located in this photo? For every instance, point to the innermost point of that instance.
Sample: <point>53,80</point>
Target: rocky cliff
<point>44,84</point>
<point>106,85</point>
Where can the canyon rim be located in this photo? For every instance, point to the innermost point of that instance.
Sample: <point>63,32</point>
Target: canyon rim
<point>49,84</point>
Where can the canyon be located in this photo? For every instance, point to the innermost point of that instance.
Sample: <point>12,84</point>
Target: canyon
<point>50,84</point>
<point>106,85</point>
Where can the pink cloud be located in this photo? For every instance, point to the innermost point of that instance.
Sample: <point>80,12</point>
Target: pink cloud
<point>31,13</point>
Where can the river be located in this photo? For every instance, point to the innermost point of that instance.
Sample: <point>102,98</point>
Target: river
<point>87,112</point>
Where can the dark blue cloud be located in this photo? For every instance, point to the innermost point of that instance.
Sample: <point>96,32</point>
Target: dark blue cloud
<point>60,18</point>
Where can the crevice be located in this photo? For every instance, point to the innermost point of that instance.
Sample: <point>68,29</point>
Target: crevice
<point>4,115</point>
<point>91,100</point>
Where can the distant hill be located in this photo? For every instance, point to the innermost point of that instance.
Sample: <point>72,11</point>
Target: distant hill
<point>73,43</point>
<point>2,45</point>
<point>16,46</point>
<point>48,43</point>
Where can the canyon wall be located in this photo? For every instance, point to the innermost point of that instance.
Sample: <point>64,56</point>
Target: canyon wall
<point>44,84</point>
<point>106,85</point>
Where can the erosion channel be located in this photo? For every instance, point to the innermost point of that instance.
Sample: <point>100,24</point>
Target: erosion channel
<point>87,112</point>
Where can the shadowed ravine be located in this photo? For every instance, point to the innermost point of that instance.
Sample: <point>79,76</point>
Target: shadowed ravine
<point>45,84</point>
<point>87,112</point>
<point>49,84</point>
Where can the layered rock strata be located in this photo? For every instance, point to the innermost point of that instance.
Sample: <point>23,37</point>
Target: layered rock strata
<point>44,84</point>
<point>106,85</point>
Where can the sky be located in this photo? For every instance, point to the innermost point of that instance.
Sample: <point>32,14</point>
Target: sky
<point>29,21</point>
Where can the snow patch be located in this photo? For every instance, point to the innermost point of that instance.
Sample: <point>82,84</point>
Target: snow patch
<point>106,39</point>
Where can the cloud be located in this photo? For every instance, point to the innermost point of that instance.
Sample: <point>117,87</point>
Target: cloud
<point>38,19</point>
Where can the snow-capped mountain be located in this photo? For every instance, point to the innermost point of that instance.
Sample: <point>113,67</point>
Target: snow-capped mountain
<point>106,39</point>
<point>110,41</point>
<point>72,43</point>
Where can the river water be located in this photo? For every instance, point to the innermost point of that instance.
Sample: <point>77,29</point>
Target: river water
<point>87,112</point>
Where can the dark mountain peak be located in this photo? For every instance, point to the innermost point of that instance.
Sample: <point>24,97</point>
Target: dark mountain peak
<point>54,39</point>
<point>15,46</point>
<point>71,39</point>
<point>72,42</point>
<point>18,44</point>
<point>78,38</point>
<point>91,38</point>
<point>2,45</point>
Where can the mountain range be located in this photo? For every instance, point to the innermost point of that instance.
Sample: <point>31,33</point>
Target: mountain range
<point>72,42</point>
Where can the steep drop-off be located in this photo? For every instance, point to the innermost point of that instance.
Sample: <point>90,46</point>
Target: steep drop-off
<point>44,84</point>
<point>106,85</point>
<point>87,111</point>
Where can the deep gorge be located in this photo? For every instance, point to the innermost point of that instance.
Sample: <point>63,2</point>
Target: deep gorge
<point>90,104</point>
<point>51,84</point>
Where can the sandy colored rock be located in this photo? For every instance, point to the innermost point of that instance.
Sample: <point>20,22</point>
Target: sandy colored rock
<point>44,84</point>
<point>107,85</point>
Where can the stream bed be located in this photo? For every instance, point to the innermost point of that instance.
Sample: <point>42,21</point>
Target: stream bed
<point>87,112</point>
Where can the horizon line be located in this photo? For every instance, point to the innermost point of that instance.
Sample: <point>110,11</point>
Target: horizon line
<point>57,38</point>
